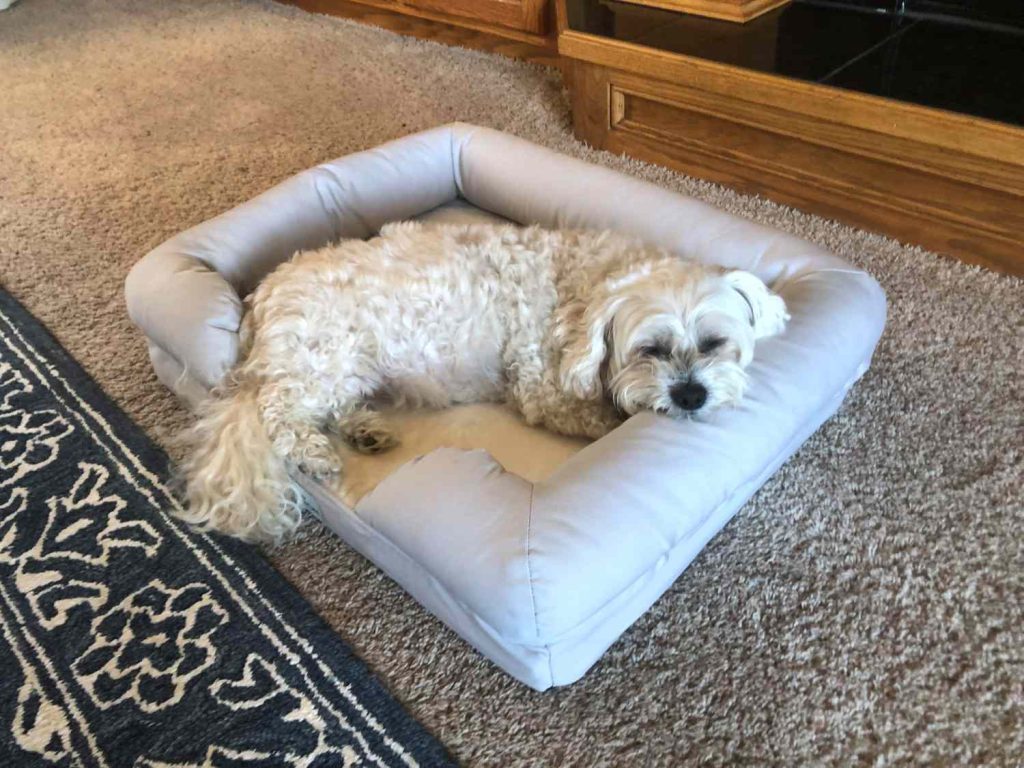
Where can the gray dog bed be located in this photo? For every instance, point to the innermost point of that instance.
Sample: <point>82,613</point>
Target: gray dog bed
<point>538,550</point>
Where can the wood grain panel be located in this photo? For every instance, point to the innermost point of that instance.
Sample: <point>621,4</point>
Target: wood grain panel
<point>931,198</point>
<point>964,135</point>
<point>788,119</point>
<point>728,10</point>
<point>766,153</point>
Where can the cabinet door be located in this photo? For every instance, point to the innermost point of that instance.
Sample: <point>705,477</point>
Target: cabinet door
<point>525,15</point>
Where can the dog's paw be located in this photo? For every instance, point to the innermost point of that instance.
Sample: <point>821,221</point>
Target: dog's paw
<point>372,439</point>
<point>367,432</point>
<point>318,458</point>
<point>320,467</point>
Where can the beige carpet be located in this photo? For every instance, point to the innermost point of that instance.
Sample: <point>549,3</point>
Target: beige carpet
<point>867,607</point>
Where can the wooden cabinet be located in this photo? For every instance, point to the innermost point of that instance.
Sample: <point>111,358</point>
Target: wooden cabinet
<point>523,29</point>
<point>524,20</point>
<point>950,182</point>
<point>727,10</point>
<point>523,15</point>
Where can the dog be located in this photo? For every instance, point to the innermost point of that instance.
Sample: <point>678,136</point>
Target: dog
<point>577,330</point>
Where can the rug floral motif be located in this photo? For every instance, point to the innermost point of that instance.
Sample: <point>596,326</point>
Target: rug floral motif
<point>127,639</point>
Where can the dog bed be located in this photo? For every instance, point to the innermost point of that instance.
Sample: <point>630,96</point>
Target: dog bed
<point>538,550</point>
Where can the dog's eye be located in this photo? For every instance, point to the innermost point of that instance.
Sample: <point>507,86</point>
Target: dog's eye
<point>710,344</point>
<point>660,351</point>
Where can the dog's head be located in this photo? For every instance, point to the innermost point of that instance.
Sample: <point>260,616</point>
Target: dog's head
<point>673,338</point>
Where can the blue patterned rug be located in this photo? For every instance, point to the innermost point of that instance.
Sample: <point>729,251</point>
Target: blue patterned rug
<point>129,640</point>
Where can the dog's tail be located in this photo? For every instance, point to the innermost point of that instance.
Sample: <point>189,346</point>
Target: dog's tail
<point>233,479</point>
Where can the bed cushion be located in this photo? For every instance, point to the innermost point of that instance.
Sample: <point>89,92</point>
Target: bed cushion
<point>539,550</point>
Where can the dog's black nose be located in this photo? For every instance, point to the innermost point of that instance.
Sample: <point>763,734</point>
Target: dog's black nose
<point>688,395</point>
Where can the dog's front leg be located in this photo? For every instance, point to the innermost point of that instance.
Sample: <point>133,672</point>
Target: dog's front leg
<point>582,418</point>
<point>570,416</point>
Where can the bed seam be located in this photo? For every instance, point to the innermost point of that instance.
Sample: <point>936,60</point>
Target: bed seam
<point>529,579</point>
<point>456,162</point>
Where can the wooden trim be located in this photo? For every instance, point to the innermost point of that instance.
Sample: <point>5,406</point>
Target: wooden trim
<point>959,204</point>
<point>427,26</point>
<point>362,9</point>
<point>617,112</point>
<point>524,15</point>
<point>561,16</point>
<point>469,22</point>
<point>727,10</point>
<point>965,135</point>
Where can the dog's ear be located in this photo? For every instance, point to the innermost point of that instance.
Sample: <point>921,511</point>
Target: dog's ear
<point>584,331</point>
<point>767,310</point>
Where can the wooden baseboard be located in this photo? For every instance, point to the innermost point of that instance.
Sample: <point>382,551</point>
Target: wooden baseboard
<point>443,28</point>
<point>950,183</point>
<point>727,10</point>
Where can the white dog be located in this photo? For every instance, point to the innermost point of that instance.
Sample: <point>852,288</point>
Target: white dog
<point>576,330</point>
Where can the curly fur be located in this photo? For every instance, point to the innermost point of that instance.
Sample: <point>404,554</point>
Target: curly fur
<point>576,330</point>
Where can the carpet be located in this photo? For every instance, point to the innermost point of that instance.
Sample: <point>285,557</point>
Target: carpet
<point>865,607</point>
<point>127,639</point>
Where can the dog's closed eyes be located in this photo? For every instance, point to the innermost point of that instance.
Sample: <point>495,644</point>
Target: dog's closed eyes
<point>709,344</point>
<point>663,349</point>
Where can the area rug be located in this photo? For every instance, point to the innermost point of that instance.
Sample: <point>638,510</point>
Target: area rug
<point>127,639</point>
